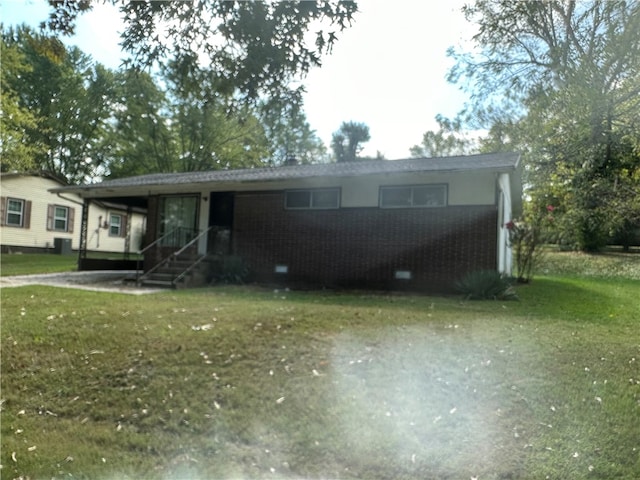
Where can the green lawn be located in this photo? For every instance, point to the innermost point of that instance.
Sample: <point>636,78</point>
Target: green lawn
<point>32,263</point>
<point>240,382</point>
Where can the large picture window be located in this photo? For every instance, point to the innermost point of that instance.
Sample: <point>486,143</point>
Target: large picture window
<point>313,199</point>
<point>413,196</point>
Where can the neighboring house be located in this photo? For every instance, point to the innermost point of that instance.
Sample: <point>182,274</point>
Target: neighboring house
<point>33,219</point>
<point>415,223</point>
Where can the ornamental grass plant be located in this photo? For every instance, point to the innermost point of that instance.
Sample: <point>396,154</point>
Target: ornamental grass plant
<point>486,285</point>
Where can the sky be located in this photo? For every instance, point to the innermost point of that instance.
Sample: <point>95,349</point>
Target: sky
<point>387,70</point>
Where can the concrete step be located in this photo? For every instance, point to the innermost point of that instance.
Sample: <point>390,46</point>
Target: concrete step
<point>166,274</point>
<point>162,276</point>
<point>157,283</point>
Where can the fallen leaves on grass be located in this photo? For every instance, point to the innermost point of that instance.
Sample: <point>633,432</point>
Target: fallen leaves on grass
<point>202,328</point>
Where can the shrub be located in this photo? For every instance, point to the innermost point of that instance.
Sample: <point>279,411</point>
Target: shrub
<point>486,285</point>
<point>232,269</point>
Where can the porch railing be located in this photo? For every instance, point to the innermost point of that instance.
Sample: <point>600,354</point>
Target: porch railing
<point>174,238</point>
<point>197,261</point>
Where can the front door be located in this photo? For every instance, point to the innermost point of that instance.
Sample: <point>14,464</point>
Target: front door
<point>221,217</point>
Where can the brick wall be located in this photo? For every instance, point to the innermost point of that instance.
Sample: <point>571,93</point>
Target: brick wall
<point>363,247</point>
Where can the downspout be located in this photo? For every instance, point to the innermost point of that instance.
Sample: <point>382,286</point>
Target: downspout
<point>69,199</point>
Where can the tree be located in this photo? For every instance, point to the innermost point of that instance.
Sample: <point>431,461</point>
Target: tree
<point>70,97</point>
<point>560,81</point>
<point>140,134</point>
<point>210,134</point>
<point>184,127</point>
<point>347,141</point>
<point>447,141</point>
<point>290,136</point>
<point>253,48</point>
<point>16,152</point>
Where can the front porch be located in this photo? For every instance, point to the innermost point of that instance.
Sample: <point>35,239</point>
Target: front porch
<point>183,243</point>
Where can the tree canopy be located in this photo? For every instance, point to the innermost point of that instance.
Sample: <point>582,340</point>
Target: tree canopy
<point>16,151</point>
<point>179,128</point>
<point>252,49</point>
<point>66,114</point>
<point>67,97</point>
<point>560,81</point>
<point>290,136</point>
<point>347,141</point>
<point>446,141</point>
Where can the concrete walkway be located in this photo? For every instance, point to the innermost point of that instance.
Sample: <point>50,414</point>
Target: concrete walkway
<point>119,281</point>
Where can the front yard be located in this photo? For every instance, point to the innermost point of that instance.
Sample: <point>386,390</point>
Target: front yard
<point>240,382</point>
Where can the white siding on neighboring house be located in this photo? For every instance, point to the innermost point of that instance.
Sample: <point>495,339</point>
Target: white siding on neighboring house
<point>108,228</point>
<point>32,217</point>
<point>47,216</point>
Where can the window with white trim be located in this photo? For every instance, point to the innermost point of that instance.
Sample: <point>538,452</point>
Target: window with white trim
<point>15,212</point>
<point>312,199</point>
<point>61,219</point>
<point>115,225</point>
<point>413,196</point>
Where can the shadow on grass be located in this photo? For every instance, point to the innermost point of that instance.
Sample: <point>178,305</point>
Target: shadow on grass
<point>552,298</point>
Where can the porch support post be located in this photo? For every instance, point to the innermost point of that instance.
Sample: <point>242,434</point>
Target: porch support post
<point>84,228</point>
<point>127,238</point>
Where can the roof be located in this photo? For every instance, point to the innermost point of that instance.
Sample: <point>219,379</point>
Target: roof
<point>42,174</point>
<point>500,162</point>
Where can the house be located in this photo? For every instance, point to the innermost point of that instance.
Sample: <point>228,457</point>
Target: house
<point>418,223</point>
<point>33,219</point>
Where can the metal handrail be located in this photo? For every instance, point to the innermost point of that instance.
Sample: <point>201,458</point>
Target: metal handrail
<point>188,269</point>
<point>192,241</point>
<point>153,244</point>
<point>140,252</point>
<point>194,264</point>
<point>167,259</point>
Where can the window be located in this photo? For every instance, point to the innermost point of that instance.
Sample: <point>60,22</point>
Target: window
<point>413,196</point>
<point>178,220</point>
<point>60,218</point>
<point>115,225</point>
<point>15,212</point>
<point>318,199</point>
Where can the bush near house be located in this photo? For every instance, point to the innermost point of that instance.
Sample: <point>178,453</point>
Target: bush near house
<point>486,285</point>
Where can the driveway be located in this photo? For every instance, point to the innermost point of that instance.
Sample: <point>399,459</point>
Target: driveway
<point>120,281</point>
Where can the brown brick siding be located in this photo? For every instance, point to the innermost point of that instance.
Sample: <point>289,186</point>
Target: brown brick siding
<point>363,247</point>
